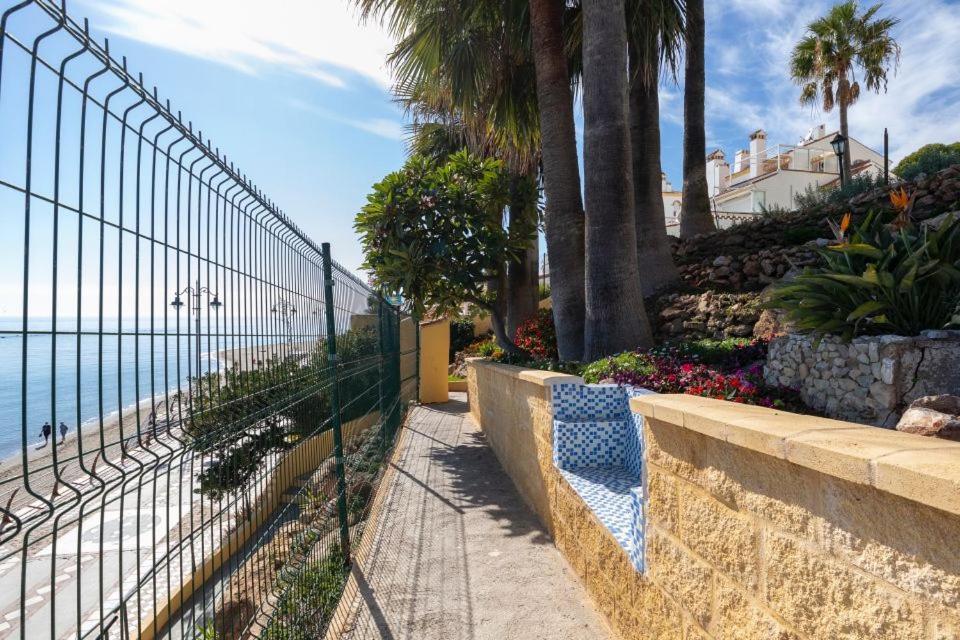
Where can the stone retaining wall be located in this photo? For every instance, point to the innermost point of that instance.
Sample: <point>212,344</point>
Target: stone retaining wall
<point>759,524</point>
<point>871,379</point>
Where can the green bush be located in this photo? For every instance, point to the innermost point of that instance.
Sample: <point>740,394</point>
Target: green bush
<point>305,609</point>
<point>606,368</point>
<point>886,278</point>
<point>240,417</point>
<point>816,198</point>
<point>928,159</point>
<point>461,335</point>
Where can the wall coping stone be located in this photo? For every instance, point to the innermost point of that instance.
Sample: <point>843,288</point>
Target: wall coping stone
<point>921,469</point>
<point>536,376</point>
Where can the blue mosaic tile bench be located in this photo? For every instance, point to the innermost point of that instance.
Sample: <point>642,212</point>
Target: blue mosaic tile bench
<point>598,448</point>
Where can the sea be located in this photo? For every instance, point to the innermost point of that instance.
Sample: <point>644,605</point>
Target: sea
<point>80,375</point>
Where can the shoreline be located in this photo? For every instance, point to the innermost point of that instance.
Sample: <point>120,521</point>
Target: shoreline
<point>40,459</point>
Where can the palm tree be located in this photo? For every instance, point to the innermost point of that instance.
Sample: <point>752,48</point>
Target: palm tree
<point>825,61</point>
<point>464,71</point>
<point>563,219</point>
<point>655,30</point>
<point>615,315</point>
<point>695,216</point>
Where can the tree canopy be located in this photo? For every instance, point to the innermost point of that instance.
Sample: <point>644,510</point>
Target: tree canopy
<point>928,159</point>
<point>434,233</point>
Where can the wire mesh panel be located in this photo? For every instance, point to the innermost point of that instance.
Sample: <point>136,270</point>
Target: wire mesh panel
<point>183,374</point>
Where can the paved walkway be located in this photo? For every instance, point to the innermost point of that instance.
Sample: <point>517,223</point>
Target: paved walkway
<point>456,554</point>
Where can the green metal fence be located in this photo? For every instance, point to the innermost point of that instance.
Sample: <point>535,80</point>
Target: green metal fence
<point>228,393</point>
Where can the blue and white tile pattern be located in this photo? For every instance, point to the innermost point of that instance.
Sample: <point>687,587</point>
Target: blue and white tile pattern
<point>598,448</point>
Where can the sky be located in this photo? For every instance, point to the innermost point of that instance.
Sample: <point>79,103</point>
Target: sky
<point>297,94</point>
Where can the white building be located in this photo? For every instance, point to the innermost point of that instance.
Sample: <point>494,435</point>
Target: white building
<point>671,205</point>
<point>772,177</point>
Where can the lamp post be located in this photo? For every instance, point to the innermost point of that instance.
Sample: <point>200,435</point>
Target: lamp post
<point>197,292</point>
<point>285,309</point>
<point>839,144</point>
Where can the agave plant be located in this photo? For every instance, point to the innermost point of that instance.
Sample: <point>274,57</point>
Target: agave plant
<point>884,278</point>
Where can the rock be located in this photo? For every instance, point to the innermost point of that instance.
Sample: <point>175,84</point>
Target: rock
<point>769,325</point>
<point>751,268</point>
<point>884,394</point>
<point>937,221</point>
<point>937,416</point>
<point>721,261</point>
<point>739,330</point>
<point>887,370</point>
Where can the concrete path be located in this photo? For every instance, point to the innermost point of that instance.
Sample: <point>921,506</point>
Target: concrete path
<point>455,553</point>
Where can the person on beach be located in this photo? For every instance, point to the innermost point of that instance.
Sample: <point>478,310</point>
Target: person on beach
<point>45,433</point>
<point>63,432</point>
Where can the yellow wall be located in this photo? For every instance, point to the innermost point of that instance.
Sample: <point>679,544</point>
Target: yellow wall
<point>760,524</point>
<point>434,354</point>
<point>408,359</point>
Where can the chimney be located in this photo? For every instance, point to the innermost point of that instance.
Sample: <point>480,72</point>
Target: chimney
<point>718,172</point>
<point>758,151</point>
<point>741,160</point>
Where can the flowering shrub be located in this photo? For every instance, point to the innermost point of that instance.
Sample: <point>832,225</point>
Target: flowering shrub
<point>537,336</point>
<point>724,370</point>
<point>728,369</point>
<point>484,348</point>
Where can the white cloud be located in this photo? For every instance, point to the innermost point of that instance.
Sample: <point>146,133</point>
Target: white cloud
<point>761,93</point>
<point>321,40</point>
<point>383,127</point>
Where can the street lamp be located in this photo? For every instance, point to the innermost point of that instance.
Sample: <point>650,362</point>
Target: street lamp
<point>285,309</point>
<point>197,292</point>
<point>839,144</point>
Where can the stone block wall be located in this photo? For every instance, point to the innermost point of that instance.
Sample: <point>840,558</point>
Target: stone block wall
<point>759,524</point>
<point>871,379</point>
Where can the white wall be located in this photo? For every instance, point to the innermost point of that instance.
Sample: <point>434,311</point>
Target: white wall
<point>778,189</point>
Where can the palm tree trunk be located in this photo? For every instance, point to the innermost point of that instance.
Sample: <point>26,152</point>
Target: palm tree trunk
<point>844,130</point>
<point>695,215</point>
<point>563,218</point>
<point>522,292</point>
<point>654,260</point>
<point>616,320</point>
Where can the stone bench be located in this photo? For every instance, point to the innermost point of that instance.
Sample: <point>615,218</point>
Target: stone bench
<point>597,447</point>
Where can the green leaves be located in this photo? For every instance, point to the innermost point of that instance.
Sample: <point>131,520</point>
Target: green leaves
<point>433,232</point>
<point>883,280</point>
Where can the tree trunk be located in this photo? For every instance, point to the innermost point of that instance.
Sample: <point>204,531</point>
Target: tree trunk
<point>522,294</point>
<point>497,323</point>
<point>654,260</point>
<point>845,132</point>
<point>695,214</point>
<point>616,320</point>
<point>564,220</point>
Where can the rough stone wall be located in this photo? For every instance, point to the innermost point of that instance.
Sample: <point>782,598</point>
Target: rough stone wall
<point>740,542</point>
<point>871,379</point>
<point>692,316</point>
<point>751,255</point>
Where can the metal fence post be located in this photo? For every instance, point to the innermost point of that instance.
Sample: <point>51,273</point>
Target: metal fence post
<point>416,328</point>
<point>384,403</point>
<point>335,402</point>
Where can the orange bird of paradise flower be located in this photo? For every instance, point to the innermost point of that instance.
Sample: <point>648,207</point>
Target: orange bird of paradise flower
<point>899,199</point>
<point>845,223</point>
